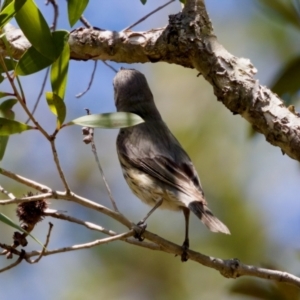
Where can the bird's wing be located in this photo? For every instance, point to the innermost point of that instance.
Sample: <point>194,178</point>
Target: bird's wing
<point>162,157</point>
<point>181,176</point>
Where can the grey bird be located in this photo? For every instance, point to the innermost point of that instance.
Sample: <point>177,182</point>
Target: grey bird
<point>154,164</point>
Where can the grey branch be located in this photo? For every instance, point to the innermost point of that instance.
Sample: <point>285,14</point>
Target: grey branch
<point>231,268</point>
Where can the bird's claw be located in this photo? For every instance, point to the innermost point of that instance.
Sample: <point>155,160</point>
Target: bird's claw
<point>139,229</point>
<point>185,247</point>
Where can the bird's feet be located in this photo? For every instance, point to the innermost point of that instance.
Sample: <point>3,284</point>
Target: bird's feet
<point>139,229</point>
<point>185,247</point>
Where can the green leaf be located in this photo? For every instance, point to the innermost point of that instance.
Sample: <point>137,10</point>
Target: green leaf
<point>75,10</point>
<point>8,127</point>
<point>3,94</point>
<point>109,120</point>
<point>6,112</point>
<point>33,61</point>
<point>287,80</point>
<point>59,69</point>
<point>9,11</point>
<point>6,220</point>
<point>143,1</point>
<point>6,106</point>
<point>36,29</point>
<point>57,107</point>
<point>5,3</point>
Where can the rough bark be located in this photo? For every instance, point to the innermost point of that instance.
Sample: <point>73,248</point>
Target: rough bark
<point>188,40</point>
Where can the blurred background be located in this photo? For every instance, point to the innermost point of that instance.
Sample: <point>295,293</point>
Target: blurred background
<point>249,184</point>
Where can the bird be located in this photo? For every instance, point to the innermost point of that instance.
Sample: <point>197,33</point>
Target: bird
<point>154,164</point>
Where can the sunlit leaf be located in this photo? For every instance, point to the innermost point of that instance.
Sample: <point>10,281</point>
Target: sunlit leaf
<point>108,120</point>
<point>5,3</point>
<point>6,112</point>
<point>36,29</point>
<point>57,107</point>
<point>6,106</point>
<point>33,61</point>
<point>75,10</point>
<point>8,127</point>
<point>9,11</point>
<point>6,220</point>
<point>59,69</point>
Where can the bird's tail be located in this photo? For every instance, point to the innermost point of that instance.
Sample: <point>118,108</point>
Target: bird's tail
<point>207,217</point>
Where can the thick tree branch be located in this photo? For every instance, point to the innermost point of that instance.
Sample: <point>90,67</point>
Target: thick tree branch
<point>188,41</point>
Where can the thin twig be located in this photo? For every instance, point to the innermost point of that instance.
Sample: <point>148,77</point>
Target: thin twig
<point>37,101</point>
<point>110,66</point>
<point>56,13</point>
<point>8,194</point>
<point>10,249</point>
<point>37,197</point>
<point>92,226</point>
<point>89,225</point>
<point>90,82</point>
<point>85,22</point>
<point>84,246</point>
<point>30,183</point>
<point>148,15</point>
<point>21,100</point>
<point>20,258</point>
<point>44,248</point>
<point>58,166</point>
<point>69,197</point>
<point>94,150</point>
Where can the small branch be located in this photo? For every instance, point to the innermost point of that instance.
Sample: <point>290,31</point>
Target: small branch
<point>30,183</point>
<point>44,248</point>
<point>10,249</point>
<point>91,140</point>
<point>8,194</point>
<point>110,66</point>
<point>92,226</point>
<point>21,100</point>
<point>82,246</point>
<point>37,101</point>
<point>69,197</point>
<point>20,258</point>
<point>90,82</point>
<point>103,176</point>
<point>230,268</point>
<point>148,15</point>
<point>85,22</point>
<point>89,225</point>
<point>56,13</point>
<point>57,163</point>
<point>16,200</point>
<point>97,207</point>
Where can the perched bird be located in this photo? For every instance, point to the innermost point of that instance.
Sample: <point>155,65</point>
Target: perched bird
<point>154,164</point>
